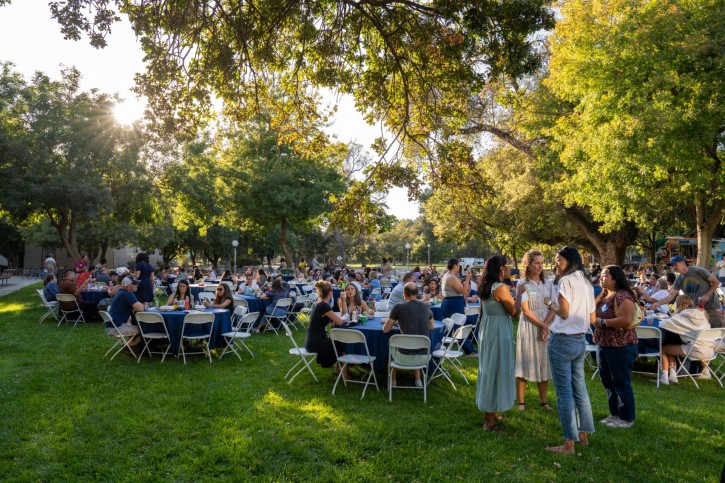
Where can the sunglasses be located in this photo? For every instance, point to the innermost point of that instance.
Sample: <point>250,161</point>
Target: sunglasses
<point>220,290</point>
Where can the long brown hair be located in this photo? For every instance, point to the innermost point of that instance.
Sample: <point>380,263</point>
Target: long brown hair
<point>620,282</point>
<point>528,259</point>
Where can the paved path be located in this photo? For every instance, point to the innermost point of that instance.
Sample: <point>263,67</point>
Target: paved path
<point>16,283</point>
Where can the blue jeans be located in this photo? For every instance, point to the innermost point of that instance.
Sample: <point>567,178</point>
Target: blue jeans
<point>566,354</point>
<point>615,370</point>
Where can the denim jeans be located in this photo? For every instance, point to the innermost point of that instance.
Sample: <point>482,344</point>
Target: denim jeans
<point>566,354</point>
<point>615,370</point>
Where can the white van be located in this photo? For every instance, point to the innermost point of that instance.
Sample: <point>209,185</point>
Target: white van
<point>470,262</point>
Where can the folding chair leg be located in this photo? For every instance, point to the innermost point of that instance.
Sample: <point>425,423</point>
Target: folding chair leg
<point>339,376</point>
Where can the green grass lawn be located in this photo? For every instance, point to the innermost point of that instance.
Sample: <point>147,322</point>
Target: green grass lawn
<point>68,414</point>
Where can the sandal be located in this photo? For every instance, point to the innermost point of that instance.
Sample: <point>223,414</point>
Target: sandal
<point>500,417</point>
<point>522,407</point>
<point>545,405</point>
<point>494,429</point>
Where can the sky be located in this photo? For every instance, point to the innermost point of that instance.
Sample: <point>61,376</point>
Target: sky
<point>31,39</point>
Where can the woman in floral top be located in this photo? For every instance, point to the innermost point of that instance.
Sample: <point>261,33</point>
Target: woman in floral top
<point>618,345</point>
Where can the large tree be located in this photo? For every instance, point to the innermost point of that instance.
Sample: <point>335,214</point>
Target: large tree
<point>645,84</point>
<point>66,157</point>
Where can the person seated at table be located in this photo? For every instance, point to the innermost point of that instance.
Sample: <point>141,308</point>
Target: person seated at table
<point>123,306</point>
<point>359,280</point>
<point>432,292</point>
<point>223,299</point>
<point>102,275</point>
<point>351,279</point>
<point>68,286</point>
<point>83,276</point>
<point>351,300</point>
<point>414,317</point>
<point>198,276</point>
<point>183,293</point>
<point>473,296</point>
<point>662,292</point>
<point>687,320</point>
<point>317,340</point>
<point>397,295</point>
<point>50,289</point>
<point>227,276</point>
<point>212,275</point>
<point>375,283</point>
<point>275,293</point>
<point>248,286</point>
<point>261,277</point>
<point>416,272</point>
<point>337,278</point>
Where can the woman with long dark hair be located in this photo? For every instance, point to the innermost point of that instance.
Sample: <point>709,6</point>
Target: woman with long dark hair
<point>223,299</point>
<point>183,292</point>
<point>617,345</point>
<point>495,385</point>
<point>574,312</point>
<point>317,340</point>
<point>145,273</point>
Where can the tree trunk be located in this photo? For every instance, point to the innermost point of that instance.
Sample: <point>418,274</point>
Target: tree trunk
<point>610,247</point>
<point>66,232</point>
<point>340,248</point>
<point>707,222</point>
<point>283,238</point>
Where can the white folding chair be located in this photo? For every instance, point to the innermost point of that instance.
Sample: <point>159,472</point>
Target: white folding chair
<point>713,336</point>
<point>305,356</point>
<point>307,289</point>
<point>120,339</point>
<point>381,306</point>
<point>281,304</point>
<point>373,294</point>
<point>202,337</point>
<point>456,321</point>
<point>173,287</point>
<point>241,329</point>
<point>473,310</point>
<point>238,302</point>
<point>386,292</point>
<point>157,332</point>
<point>51,308</point>
<point>449,355</point>
<point>206,296</point>
<point>719,371</point>
<point>293,315</point>
<point>209,288</point>
<point>348,336</point>
<point>64,297</point>
<point>407,342</point>
<point>645,332</point>
<point>593,353</point>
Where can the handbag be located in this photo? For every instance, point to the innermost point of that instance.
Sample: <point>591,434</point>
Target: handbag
<point>637,315</point>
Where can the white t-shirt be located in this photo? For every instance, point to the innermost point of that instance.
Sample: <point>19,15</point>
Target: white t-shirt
<point>576,290</point>
<point>659,295</point>
<point>721,266</point>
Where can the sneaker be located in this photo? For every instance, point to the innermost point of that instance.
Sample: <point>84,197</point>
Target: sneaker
<point>664,378</point>
<point>418,383</point>
<point>705,374</point>
<point>609,420</point>
<point>673,376</point>
<point>622,424</point>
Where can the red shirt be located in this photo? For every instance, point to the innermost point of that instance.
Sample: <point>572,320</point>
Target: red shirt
<point>606,337</point>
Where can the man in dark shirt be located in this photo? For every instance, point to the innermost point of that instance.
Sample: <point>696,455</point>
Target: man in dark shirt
<point>123,306</point>
<point>414,318</point>
<point>68,286</point>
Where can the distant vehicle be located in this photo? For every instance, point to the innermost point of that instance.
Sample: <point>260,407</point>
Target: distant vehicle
<point>470,262</point>
<point>686,248</point>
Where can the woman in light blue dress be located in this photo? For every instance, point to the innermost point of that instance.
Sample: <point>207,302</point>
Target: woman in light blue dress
<point>495,388</point>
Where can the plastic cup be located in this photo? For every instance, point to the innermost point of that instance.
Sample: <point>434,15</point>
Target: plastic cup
<point>363,318</point>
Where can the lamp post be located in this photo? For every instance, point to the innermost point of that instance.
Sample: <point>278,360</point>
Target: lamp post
<point>235,244</point>
<point>429,255</point>
<point>407,254</point>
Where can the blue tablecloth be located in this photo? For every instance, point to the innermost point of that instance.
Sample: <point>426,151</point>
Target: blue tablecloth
<point>175,320</point>
<point>379,342</point>
<point>94,296</point>
<point>255,304</point>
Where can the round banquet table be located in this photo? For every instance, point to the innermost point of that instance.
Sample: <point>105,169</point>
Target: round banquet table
<point>175,320</point>
<point>379,342</point>
<point>94,296</point>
